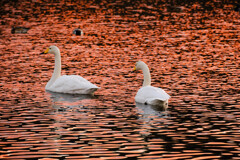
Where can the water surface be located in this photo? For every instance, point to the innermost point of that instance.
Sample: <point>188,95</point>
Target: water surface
<point>193,54</point>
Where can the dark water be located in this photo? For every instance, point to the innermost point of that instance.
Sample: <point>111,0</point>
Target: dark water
<point>192,51</point>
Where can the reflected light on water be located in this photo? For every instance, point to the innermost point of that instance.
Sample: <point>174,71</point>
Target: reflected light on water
<point>193,54</point>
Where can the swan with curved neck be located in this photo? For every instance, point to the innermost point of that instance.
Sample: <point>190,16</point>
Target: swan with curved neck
<point>71,84</point>
<point>148,94</point>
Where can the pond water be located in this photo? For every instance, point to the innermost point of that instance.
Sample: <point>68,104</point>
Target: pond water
<point>192,51</point>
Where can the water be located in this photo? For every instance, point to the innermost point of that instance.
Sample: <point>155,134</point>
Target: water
<point>193,55</point>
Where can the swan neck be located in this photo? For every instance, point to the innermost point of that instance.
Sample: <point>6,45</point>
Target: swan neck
<point>147,76</point>
<point>57,70</point>
<point>57,67</point>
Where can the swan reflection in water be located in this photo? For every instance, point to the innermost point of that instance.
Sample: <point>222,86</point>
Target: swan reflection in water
<point>150,112</point>
<point>153,118</point>
<point>61,97</point>
<point>69,108</point>
<point>61,100</point>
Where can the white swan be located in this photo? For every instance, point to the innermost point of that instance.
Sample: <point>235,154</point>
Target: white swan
<point>149,94</point>
<point>71,84</point>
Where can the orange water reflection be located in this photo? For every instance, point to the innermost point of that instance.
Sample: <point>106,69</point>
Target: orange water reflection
<point>192,51</point>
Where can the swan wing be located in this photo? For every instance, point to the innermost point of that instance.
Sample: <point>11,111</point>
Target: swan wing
<point>73,84</point>
<point>150,94</point>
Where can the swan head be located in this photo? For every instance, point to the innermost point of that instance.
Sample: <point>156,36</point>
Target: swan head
<point>139,66</point>
<point>52,50</point>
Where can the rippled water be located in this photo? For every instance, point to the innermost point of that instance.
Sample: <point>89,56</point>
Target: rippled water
<point>193,54</point>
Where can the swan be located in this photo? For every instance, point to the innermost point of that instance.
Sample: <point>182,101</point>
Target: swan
<point>148,94</point>
<point>71,84</point>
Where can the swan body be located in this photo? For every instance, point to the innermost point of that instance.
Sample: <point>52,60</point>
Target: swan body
<point>148,94</point>
<point>71,84</point>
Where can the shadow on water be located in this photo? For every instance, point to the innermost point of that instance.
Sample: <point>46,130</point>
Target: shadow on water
<point>61,97</point>
<point>153,118</point>
<point>150,113</point>
<point>68,102</point>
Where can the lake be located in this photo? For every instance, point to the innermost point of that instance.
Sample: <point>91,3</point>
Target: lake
<point>192,51</point>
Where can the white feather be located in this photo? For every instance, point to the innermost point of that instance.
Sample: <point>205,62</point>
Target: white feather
<point>72,84</point>
<point>149,94</point>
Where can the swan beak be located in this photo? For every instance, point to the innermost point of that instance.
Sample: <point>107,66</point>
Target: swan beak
<point>134,69</point>
<point>45,51</point>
